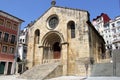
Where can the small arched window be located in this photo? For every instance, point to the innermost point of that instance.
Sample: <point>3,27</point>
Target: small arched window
<point>37,36</point>
<point>71,26</point>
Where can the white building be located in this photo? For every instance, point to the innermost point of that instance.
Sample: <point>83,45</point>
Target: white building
<point>22,48</point>
<point>115,32</point>
<point>102,25</point>
<point>109,29</point>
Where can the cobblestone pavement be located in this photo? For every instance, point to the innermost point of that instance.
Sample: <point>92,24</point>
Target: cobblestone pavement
<point>14,77</point>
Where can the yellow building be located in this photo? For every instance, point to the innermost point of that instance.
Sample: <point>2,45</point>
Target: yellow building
<point>65,36</point>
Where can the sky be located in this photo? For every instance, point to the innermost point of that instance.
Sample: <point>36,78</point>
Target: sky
<point>30,10</point>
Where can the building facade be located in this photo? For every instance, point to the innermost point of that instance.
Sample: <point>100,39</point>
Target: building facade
<point>102,25</point>
<point>22,48</point>
<point>64,35</point>
<point>109,30</point>
<point>22,51</point>
<point>115,32</point>
<point>9,29</point>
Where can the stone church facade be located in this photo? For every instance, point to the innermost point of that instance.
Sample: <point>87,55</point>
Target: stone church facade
<point>65,36</point>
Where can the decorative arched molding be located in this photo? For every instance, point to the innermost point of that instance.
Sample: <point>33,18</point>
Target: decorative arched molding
<point>70,22</point>
<point>60,36</point>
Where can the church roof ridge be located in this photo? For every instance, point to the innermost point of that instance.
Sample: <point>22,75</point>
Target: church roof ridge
<point>60,7</point>
<point>71,8</point>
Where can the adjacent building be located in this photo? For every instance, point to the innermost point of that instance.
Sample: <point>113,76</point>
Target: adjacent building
<point>115,32</point>
<point>109,30</point>
<point>102,25</point>
<point>64,35</point>
<point>22,51</point>
<point>9,30</point>
<point>22,48</point>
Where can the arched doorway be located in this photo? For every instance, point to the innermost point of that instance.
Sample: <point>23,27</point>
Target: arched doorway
<point>52,46</point>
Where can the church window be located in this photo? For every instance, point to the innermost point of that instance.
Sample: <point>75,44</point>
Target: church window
<point>37,36</point>
<point>71,26</point>
<point>72,31</point>
<point>53,21</point>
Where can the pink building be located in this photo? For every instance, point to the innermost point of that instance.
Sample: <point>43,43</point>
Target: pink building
<point>9,30</point>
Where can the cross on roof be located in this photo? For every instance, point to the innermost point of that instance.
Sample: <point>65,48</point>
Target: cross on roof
<point>53,3</point>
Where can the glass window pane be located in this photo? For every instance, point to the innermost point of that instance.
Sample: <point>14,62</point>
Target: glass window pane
<point>4,49</point>
<point>11,50</point>
<point>12,39</point>
<point>8,24</point>
<point>6,36</point>
<point>1,21</point>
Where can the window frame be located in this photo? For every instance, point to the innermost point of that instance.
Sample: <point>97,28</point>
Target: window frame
<point>6,49</point>
<point>71,27</point>
<point>3,21</point>
<point>118,23</point>
<point>11,47</point>
<point>14,39</point>
<point>7,37</point>
<point>52,18</point>
<point>15,26</point>
<point>10,25</point>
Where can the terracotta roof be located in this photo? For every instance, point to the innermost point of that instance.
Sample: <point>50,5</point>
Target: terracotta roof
<point>106,18</point>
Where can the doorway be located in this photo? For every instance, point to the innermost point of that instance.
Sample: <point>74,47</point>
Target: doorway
<point>2,66</point>
<point>56,50</point>
<point>52,48</point>
<point>9,68</point>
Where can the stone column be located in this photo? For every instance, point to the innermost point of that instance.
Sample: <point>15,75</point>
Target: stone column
<point>13,68</point>
<point>16,72</point>
<point>64,57</point>
<point>6,68</point>
<point>49,53</point>
<point>41,53</point>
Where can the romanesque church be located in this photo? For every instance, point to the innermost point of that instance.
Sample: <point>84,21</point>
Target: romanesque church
<point>64,41</point>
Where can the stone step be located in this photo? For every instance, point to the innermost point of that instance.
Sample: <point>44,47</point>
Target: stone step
<point>39,71</point>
